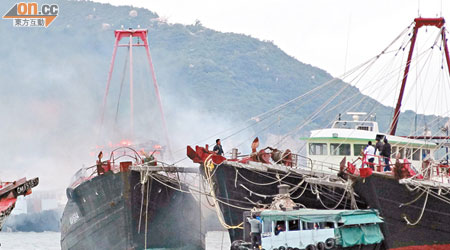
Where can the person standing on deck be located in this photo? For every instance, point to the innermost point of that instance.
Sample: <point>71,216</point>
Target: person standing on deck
<point>369,153</point>
<point>255,231</point>
<point>218,148</point>
<point>378,146</point>
<point>386,153</point>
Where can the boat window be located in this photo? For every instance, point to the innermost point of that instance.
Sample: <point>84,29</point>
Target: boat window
<point>416,154</point>
<point>401,151</point>
<point>342,124</point>
<point>293,225</point>
<point>394,152</point>
<point>408,153</point>
<point>318,149</point>
<point>309,225</point>
<point>339,149</point>
<point>267,226</point>
<point>280,226</point>
<point>358,149</point>
<point>425,152</point>
<point>329,224</point>
<point>362,127</point>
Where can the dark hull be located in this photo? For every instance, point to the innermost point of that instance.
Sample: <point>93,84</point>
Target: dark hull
<point>106,213</point>
<point>232,185</point>
<point>386,194</point>
<point>4,215</point>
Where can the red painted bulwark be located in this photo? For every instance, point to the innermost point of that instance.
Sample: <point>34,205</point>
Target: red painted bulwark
<point>425,247</point>
<point>6,203</point>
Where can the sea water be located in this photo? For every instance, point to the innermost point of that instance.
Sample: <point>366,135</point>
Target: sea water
<point>215,240</point>
<point>32,241</point>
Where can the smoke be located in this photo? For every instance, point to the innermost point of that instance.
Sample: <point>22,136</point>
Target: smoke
<point>52,84</point>
<point>48,220</point>
<point>46,109</point>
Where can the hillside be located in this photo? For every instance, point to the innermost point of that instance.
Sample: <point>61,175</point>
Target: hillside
<point>52,83</point>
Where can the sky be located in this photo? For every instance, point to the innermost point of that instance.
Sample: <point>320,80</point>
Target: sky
<point>332,35</point>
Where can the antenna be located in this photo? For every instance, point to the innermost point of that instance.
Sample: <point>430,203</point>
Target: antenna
<point>418,8</point>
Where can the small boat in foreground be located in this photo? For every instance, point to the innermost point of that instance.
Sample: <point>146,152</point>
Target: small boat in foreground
<point>287,227</point>
<point>9,191</point>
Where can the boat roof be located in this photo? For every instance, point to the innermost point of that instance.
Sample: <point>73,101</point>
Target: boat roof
<point>355,135</point>
<point>348,217</point>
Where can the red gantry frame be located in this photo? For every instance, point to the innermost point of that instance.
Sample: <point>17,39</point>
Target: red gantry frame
<point>141,34</point>
<point>420,22</point>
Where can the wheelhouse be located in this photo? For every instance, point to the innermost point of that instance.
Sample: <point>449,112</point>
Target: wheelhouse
<point>327,147</point>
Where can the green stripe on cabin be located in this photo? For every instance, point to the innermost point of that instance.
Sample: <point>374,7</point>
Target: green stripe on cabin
<point>343,140</point>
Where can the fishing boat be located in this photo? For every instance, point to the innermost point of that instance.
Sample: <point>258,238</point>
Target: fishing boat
<point>413,198</point>
<point>240,183</point>
<point>131,200</point>
<point>135,203</point>
<point>335,174</point>
<point>9,191</point>
<point>379,189</point>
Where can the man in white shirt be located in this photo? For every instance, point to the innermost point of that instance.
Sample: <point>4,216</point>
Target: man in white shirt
<point>369,152</point>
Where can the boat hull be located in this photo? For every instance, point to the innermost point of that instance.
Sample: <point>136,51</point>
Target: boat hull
<point>6,207</point>
<point>114,211</point>
<point>243,188</point>
<point>392,199</point>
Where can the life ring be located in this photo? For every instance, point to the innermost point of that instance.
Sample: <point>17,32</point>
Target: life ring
<point>320,246</point>
<point>311,247</point>
<point>296,248</point>
<point>282,248</point>
<point>290,248</point>
<point>330,243</point>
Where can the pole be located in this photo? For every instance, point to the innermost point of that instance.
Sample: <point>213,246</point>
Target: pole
<point>131,89</point>
<point>155,84</point>
<point>111,67</point>
<point>402,88</point>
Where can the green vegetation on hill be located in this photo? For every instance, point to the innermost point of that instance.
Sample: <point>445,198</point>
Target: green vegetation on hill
<point>63,70</point>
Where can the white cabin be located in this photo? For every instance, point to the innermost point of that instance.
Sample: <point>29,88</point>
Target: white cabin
<point>327,147</point>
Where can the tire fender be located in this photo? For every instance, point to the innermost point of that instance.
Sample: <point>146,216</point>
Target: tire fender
<point>311,247</point>
<point>330,243</point>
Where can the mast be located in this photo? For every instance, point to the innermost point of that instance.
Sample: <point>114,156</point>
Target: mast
<point>420,22</point>
<point>140,34</point>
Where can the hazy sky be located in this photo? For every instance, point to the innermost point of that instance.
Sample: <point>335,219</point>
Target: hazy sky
<point>315,32</point>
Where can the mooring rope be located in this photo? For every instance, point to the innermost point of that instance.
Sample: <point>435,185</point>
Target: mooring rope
<point>421,214</point>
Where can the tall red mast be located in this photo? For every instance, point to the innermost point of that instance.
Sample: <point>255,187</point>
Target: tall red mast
<point>141,34</point>
<point>420,22</point>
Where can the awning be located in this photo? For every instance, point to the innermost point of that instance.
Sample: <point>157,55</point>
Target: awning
<point>358,219</point>
<point>359,235</point>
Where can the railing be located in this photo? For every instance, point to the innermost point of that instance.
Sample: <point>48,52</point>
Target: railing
<point>317,165</point>
<point>85,174</point>
<point>429,170</point>
<point>378,167</point>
